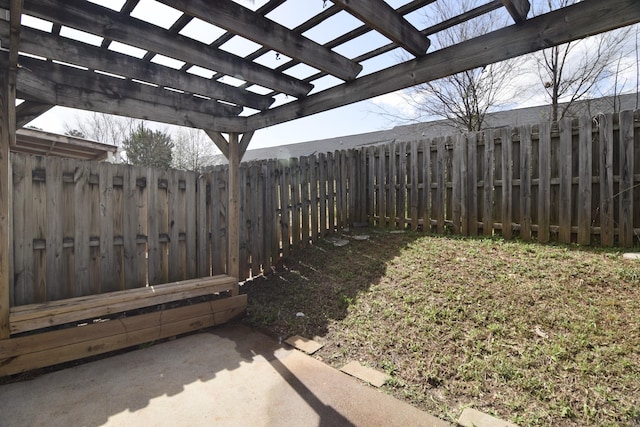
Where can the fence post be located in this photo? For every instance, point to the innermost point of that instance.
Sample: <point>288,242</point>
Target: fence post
<point>233,209</point>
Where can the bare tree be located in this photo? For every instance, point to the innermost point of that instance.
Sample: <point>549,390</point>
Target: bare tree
<point>104,128</point>
<point>193,150</point>
<point>576,70</point>
<point>465,98</point>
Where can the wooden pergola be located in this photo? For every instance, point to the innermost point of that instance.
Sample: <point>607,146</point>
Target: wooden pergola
<point>48,68</point>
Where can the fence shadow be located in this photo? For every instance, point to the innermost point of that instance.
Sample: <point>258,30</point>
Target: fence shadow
<point>317,285</point>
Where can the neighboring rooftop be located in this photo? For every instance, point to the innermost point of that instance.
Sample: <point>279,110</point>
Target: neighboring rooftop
<point>41,143</point>
<point>432,129</point>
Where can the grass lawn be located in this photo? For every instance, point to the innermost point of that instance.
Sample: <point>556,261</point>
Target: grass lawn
<point>535,334</point>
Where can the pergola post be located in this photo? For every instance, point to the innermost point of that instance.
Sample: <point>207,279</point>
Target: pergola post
<point>7,137</point>
<point>233,210</point>
<point>4,205</point>
<point>233,150</point>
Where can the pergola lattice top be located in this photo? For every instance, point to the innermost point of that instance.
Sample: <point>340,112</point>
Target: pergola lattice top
<point>191,89</point>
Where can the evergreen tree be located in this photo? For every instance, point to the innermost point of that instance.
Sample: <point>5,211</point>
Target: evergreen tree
<point>146,147</point>
<point>75,133</point>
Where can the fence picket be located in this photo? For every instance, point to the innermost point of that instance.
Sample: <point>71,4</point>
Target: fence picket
<point>606,213</point>
<point>190,226</point>
<point>487,187</point>
<point>626,179</point>
<point>401,203</point>
<point>439,204</point>
<point>108,281</point>
<point>507,182</point>
<point>371,192</point>
<point>203,218</point>
<point>472,184</point>
<point>55,212</point>
<point>322,193</point>
<point>585,157</point>
<point>414,201</point>
<point>426,185</point>
<point>564,233</point>
<point>313,197</point>
<point>392,195</point>
<point>544,181</point>
<point>458,188</point>
<point>381,185</point>
<point>525,182</point>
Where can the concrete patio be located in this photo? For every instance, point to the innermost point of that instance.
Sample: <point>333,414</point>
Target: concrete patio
<point>228,376</point>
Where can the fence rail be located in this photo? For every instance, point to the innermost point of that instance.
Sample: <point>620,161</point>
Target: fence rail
<point>82,228</point>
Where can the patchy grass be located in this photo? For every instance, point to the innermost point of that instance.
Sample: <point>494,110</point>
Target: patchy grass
<point>535,334</point>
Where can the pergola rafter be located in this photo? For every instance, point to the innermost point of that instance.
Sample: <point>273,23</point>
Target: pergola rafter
<point>239,20</point>
<point>383,18</point>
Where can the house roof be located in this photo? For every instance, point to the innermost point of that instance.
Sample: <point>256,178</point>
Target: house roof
<point>175,77</point>
<point>40,143</point>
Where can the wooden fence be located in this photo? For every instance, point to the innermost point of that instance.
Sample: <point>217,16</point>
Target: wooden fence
<point>574,181</point>
<point>84,228</point>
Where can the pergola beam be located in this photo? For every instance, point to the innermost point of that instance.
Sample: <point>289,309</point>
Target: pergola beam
<point>518,9</point>
<point>117,88</point>
<point>242,21</point>
<point>15,12</point>
<point>73,52</point>
<point>107,23</point>
<point>34,88</point>
<point>384,19</point>
<point>29,110</point>
<point>544,31</point>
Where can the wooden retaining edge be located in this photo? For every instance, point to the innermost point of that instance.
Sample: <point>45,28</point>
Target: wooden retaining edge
<point>35,316</point>
<point>49,348</point>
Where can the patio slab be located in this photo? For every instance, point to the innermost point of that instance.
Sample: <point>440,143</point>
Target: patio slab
<point>228,376</point>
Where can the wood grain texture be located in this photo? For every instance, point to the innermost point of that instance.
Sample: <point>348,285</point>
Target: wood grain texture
<point>544,181</point>
<point>384,19</point>
<point>564,235</point>
<point>112,25</point>
<point>606,177</point>
<point>625,190</point>
<point>507,182</point>
<point>525,182</point>
<point>240,20</point>
<point>36,316</point>
<point>5,198</point>
<point>45,349</point>
<point>585,173</point>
